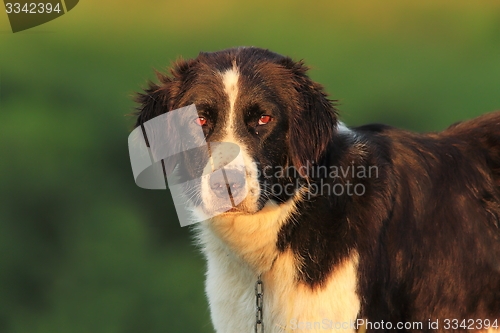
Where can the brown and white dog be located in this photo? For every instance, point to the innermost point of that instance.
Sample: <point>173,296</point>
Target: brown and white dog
<point>369,228</point>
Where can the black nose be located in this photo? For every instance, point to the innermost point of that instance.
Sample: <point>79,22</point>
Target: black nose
<point>227,181</point>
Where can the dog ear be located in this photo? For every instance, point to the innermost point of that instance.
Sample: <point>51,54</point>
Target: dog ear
<point>153,102</point>
<point>160,98</point>
<point>314,119</point>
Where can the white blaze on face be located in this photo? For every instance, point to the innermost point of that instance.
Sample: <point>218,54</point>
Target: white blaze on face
<point>245,199</point>
<point>230,82</point>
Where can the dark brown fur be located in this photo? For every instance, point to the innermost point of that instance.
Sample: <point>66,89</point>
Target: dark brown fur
<point>427,228</point>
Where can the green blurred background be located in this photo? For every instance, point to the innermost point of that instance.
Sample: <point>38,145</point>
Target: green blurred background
<point>82,249</point>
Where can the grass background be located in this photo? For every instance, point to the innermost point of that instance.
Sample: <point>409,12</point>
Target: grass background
<point>82,249</point>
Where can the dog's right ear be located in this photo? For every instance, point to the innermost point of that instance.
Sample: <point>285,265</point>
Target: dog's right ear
<point>160,98</point>
<point>155,100</point>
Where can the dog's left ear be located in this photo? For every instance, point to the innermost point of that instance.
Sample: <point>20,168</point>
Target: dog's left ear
<point>314,119</point>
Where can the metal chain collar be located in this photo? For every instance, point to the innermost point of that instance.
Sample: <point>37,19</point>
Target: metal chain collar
<point>259,300</point>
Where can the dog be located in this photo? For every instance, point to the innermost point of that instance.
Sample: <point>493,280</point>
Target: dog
<point>370,229</point>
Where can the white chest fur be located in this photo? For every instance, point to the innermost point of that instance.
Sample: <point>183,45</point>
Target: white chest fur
<point>238,248</point>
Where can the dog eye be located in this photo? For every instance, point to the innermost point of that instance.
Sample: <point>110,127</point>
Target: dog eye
<point>201,121</point>
<point>265,119</point>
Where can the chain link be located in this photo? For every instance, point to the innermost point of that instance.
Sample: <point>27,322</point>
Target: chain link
<point>259,300</point>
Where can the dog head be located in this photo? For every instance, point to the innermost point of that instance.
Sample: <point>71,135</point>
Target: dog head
<point>264,104</point>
